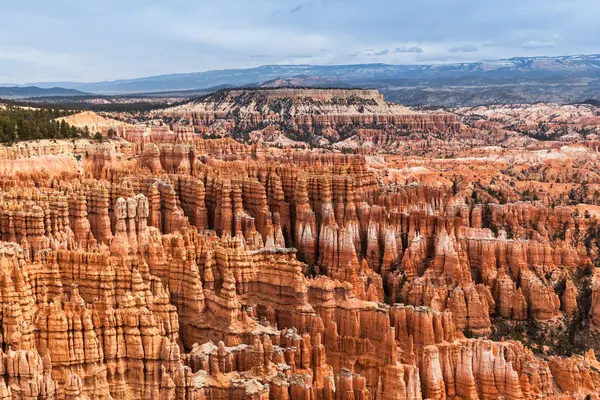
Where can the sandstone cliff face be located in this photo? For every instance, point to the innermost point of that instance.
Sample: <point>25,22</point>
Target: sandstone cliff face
<point>321,116</point>
<point>191,269</point>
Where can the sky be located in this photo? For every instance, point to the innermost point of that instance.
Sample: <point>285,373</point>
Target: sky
<point>92,40</point>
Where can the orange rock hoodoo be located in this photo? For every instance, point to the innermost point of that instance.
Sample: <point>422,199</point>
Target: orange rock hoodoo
<point>192,269</point>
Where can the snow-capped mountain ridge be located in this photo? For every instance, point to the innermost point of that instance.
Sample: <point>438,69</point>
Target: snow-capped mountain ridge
<point>355,74</point>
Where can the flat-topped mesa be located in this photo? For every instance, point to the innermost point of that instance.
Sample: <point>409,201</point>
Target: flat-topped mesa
<point>317,111</point>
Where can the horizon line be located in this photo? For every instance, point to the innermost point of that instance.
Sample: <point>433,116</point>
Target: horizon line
<point>27,84</point>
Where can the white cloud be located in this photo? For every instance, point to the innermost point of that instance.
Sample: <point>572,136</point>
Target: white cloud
<point>467,48</point>
<point>383,52</point>
<point>545,43</point>
<point>90,40</point>
<point>236,36</point>
<point>408,49</point>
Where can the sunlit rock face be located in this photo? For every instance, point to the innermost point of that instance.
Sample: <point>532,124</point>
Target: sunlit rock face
<point>160,265</point>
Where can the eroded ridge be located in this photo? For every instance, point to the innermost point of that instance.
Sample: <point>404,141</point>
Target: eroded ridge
<point>457,257</point>
<point>210,269</point>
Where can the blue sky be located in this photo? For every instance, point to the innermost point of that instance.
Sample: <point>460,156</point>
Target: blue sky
<point>92,40</point>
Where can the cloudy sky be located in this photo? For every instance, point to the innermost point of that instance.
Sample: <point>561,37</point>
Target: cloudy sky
<point>91,40</point>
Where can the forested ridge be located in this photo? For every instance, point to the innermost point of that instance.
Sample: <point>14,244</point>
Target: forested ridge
<point>19,123</point>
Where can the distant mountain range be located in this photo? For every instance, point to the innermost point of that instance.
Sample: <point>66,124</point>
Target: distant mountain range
<point>520,67</point>
<point>563,79</point>
<point>301,81</point>
<point>36,91</point>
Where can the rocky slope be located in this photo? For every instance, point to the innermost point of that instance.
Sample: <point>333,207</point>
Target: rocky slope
<point>317,116</point>
<point>361,121</point>
<point>94,122</point>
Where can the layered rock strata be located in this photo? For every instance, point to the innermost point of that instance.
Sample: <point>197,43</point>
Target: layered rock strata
<point>210,270</point>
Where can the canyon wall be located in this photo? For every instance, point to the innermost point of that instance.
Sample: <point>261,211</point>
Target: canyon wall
<point>210,269</point>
